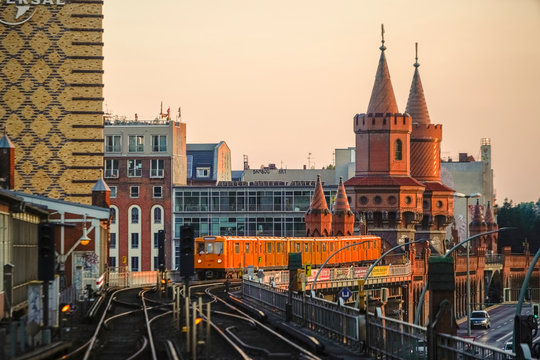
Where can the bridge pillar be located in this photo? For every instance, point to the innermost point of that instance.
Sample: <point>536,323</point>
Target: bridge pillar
<point>441,305</point>
<point>441,290</point>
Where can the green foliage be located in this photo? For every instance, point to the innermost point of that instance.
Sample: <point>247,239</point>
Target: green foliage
<point>526,218</point>
<point>330,167</point>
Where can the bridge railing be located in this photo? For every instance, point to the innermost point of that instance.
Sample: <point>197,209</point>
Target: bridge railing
<point>131,278</point>
<point>337,322</point>
<point>494,259</point>
<point>395,339</point>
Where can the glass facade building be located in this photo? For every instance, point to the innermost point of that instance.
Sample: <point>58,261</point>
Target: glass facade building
<point>244,209</point>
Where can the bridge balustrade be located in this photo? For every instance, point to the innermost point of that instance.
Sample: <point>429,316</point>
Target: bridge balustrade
<point>395,339</point>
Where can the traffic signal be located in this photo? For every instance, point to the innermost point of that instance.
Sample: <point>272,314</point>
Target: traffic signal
<point>46,252</point>
<point>525,329</point>
<point>536,308</point>
<point>161,250</point>
<point>187,251</point>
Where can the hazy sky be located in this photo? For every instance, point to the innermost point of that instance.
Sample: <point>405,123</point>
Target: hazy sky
<point>278,80</point>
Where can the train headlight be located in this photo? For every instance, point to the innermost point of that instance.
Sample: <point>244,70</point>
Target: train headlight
<point>219,261</point>
<point>199,261</point>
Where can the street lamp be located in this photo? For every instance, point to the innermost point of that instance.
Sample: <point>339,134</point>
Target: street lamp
<point>468,294</point>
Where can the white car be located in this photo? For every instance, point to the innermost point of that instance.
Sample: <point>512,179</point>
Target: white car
<point>508,349</point>
<point>480,318</point>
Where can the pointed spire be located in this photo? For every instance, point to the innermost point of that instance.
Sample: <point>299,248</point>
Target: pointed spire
<point>101,185</point>
<point>490,219</point>
<point>341,204</point>
<point>318,202</point>
<point>478,217</point>
<point>416,105</point>
<point>382,98</point>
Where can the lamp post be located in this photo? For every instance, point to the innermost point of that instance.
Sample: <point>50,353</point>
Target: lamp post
<point>468,294</point>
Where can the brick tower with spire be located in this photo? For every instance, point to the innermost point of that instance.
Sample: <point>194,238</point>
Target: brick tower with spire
<point>477,226</point>
<point>438,199</point>
<point>342,216</point>
<point>383,189</point>
<point>492,240</point>
<point>318,218</point>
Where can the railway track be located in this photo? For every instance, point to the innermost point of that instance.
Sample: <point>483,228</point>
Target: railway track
<point>128,329</point>
<point>241,333</point>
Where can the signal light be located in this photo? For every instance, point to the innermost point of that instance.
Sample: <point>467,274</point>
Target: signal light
<point>536,309</point>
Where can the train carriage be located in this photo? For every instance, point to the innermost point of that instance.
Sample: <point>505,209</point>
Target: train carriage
<point>229,256</point>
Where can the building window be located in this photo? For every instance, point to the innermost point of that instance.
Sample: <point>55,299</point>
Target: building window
<point>134,240</point>
<point>156,241</point>
<point>158,191</point>
<point>113,143</point>
<point>203,172</point>
<point>111,168</point>
<point>113,216</point>
<point>157,168</point>
<point>156,263</point>
<point>112,242</point>
<point>136,143</point>
<point>399,150</point>
<point>134,263</point>
<point>134,191</point>
<point>113,192</point>
<point>112,261</point>
<point>134,168</point>
<point>157,215</point>
<point>159,143</point>
<point>134,216</point>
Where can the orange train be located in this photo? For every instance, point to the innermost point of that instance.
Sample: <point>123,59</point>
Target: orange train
<point>219,257</point>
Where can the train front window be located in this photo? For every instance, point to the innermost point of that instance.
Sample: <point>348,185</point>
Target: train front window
<point>200,248</point>
<point>209,248</point>
<point>218,249</point>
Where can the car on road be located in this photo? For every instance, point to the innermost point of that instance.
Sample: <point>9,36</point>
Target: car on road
<point>508,349</point>
<point>480,318</point>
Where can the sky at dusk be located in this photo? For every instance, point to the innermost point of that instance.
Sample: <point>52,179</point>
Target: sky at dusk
<point>281,80</point>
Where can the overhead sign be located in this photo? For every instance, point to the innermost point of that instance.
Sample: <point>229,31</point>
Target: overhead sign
<point>345,293</point>
<point>380,271</point>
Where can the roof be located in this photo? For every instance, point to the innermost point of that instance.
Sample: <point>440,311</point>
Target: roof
<point>416,105</point>
<point>96,212</point>
<point>318,202</point>
<point>101,185</point>
<point>437,186</point>
<point>341,204</point>
<point>382,98</point>
<point>383,181</point>
<point>5,143</point>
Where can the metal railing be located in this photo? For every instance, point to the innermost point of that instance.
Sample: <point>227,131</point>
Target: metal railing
<point>395,339</point>
<point>337,322</point>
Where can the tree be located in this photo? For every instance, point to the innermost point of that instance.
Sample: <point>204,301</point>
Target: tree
<point>526,218</point>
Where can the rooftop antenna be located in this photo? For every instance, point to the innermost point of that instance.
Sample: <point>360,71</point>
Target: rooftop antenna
<point>309,161</point>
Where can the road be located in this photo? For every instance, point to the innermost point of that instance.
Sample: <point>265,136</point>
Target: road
<point>502,325</point>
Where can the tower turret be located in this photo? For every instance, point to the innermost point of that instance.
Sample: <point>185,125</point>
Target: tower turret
<point>477,226</point>
<point>438,202</point>
<point>318,218</point>
<point>342,216</point>
<point>491,239</point>
<point>385,194</point>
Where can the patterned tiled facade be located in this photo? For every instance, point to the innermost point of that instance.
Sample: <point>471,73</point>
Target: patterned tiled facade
<point>51,95</point>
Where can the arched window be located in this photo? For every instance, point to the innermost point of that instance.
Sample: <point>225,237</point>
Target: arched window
<point>157,215</point>
<point>113,215</point>
<point>134,216</point>
<point>398,150</point>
